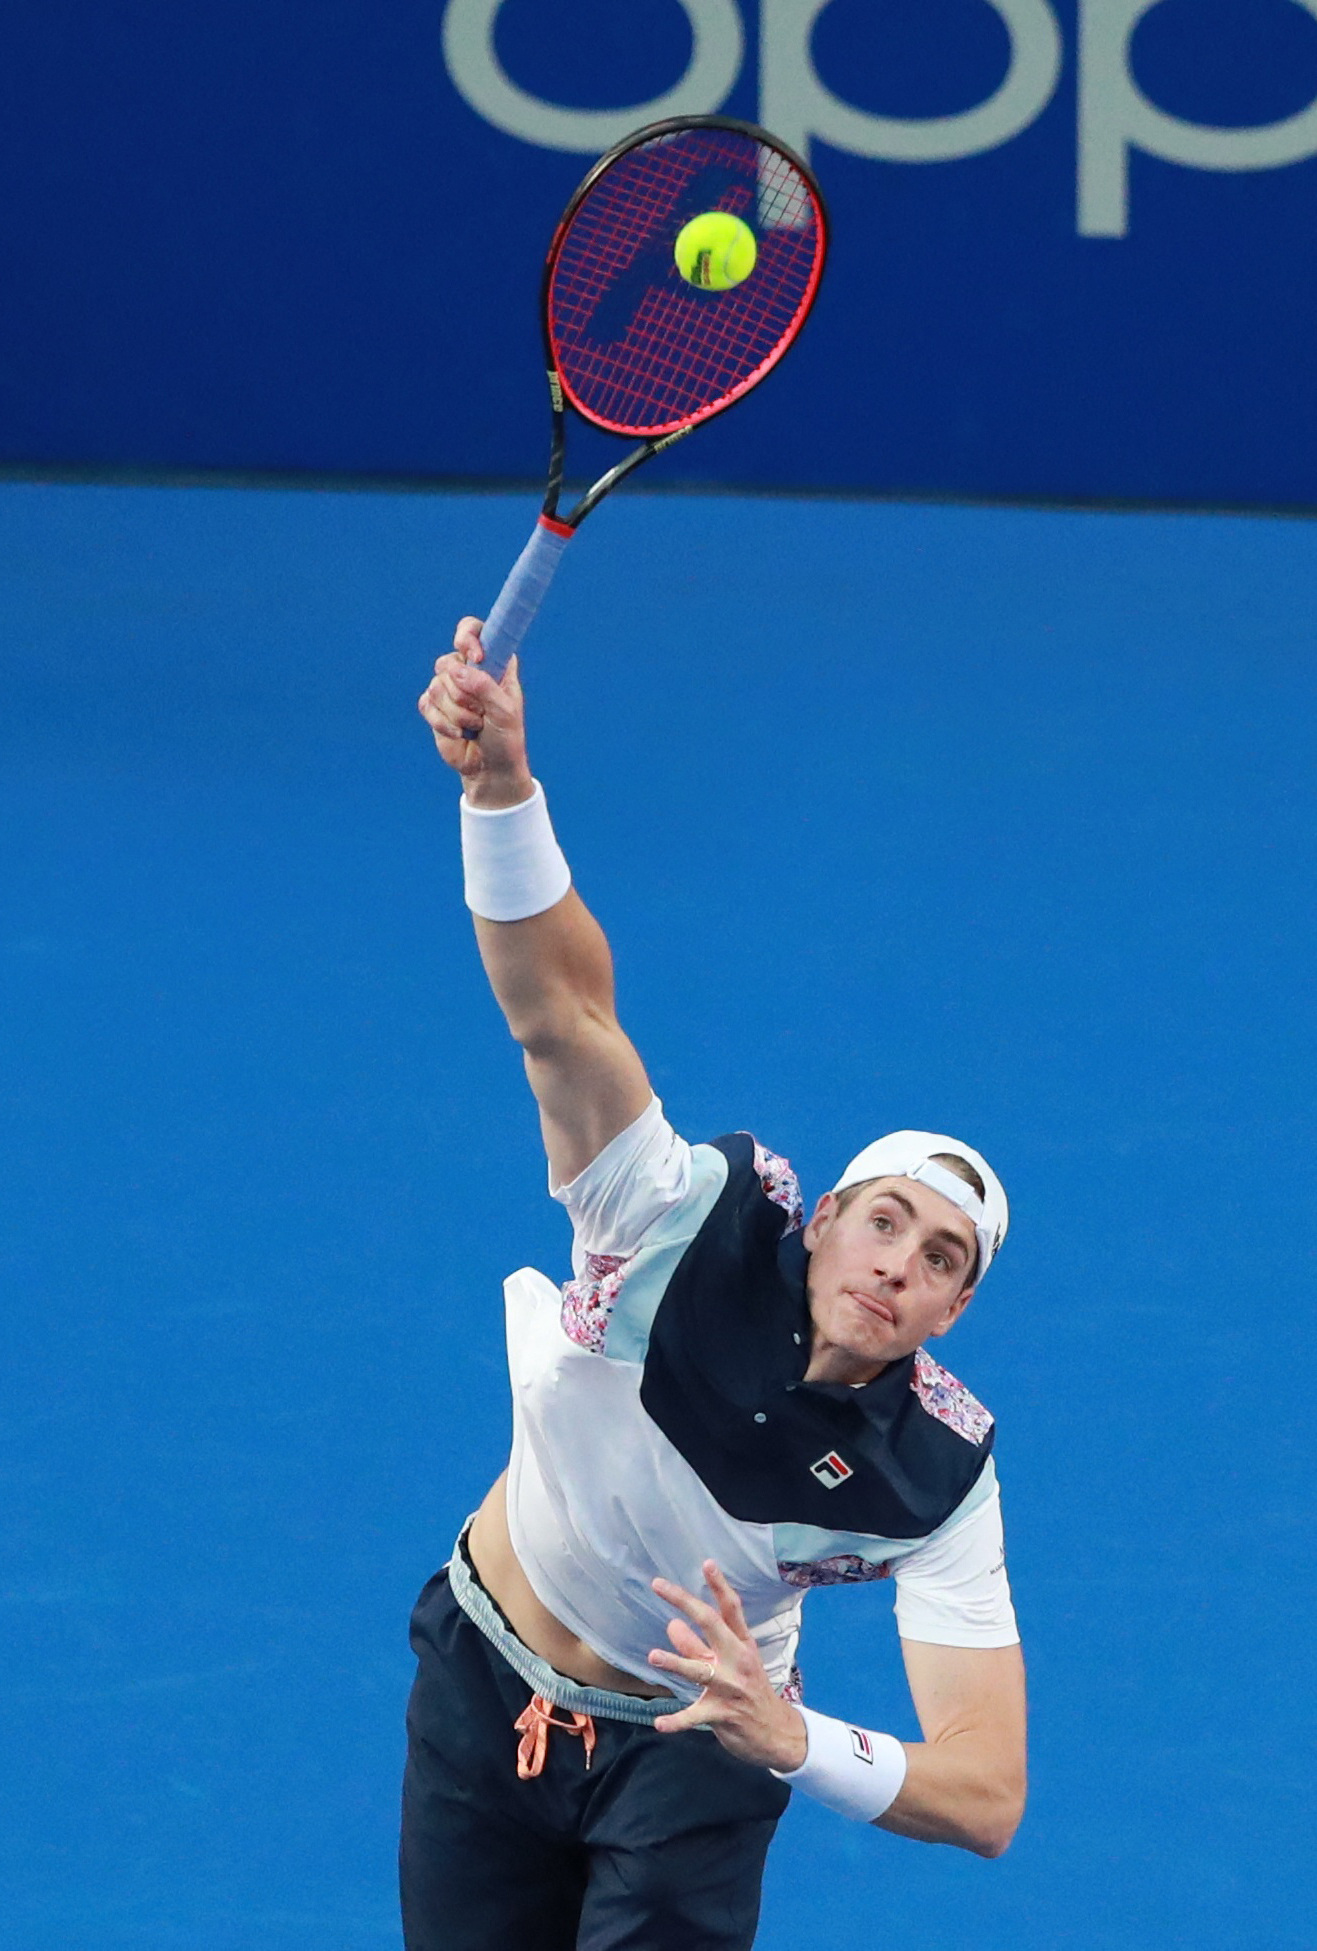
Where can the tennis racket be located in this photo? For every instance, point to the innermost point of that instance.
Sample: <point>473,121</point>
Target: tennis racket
<point>634,347</point>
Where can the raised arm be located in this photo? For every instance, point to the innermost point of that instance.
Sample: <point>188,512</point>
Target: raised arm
<point>551,972</point>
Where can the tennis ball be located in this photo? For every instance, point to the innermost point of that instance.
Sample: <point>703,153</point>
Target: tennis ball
<point>715,251</point>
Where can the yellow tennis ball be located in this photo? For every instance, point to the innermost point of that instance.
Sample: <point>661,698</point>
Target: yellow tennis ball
<point>715,251</point>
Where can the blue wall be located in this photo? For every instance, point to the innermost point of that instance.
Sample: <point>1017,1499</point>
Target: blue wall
<point>283,236</point>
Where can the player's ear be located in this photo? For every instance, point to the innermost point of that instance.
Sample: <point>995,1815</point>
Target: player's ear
<point>954,1310</point>
<point>824,1214</point>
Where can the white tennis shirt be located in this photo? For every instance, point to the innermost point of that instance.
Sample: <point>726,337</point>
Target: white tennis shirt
<point>600,1501</point>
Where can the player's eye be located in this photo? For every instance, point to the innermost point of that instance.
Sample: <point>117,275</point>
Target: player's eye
<point>882,1222</point>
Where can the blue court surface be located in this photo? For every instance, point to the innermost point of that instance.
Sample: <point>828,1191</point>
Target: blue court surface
<point>990,821</point>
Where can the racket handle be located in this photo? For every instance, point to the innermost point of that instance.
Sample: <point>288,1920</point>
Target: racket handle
<point>522,593</point>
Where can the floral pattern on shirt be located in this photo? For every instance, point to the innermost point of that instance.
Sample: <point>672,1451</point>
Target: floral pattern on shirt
<point>588,1302</point>
<point>847,1568</point>
<point>949,1400</point>
<point>781,1184</point>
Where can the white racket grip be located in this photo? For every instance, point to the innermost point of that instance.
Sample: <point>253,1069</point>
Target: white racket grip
<point>522,594</point>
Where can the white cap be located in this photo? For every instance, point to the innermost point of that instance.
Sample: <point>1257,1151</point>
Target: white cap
<point>910,1155</point>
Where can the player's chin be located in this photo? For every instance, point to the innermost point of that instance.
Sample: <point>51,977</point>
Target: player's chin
<point>868,1336</point>
<point>871,1322</point>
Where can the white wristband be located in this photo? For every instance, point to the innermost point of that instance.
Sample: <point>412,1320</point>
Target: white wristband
<point>848,1769</point>
<point>513,864</point>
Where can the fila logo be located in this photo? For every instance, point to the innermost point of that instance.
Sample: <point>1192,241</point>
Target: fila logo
<point>831,1470</point>
<point>862,1745</point>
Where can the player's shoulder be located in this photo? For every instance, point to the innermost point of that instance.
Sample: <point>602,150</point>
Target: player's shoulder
<point>755,1167</point>
<point>945,1398</point>
<point>778,1181</point>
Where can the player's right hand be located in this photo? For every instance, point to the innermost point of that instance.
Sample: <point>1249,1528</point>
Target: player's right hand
<point>460,700</point>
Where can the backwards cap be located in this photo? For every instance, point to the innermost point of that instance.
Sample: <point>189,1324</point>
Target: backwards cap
<point>909,1155</point>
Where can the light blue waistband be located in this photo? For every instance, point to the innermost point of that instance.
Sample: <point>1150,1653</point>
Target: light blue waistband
<point>538,1675</point>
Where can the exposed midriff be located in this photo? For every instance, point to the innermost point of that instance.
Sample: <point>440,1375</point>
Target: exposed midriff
<point>500,1572</point>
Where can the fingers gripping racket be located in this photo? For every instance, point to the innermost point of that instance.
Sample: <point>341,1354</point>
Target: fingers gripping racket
<point>642,349</point>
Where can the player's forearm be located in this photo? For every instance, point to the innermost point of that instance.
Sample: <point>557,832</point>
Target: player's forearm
<point>551,974</point>
<point>544,953</point>
<point>958,1791</point>
<point>551,970</point>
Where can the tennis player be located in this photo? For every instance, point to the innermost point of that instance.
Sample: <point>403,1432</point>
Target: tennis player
<point>723,1408</point>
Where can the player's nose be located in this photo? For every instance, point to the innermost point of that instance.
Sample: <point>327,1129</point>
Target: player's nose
<point>893,1263</point>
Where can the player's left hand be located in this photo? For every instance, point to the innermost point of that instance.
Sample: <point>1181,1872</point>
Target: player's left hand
<point>752,1722</point>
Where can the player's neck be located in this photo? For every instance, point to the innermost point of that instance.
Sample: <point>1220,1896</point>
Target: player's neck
<point>830,1363</point>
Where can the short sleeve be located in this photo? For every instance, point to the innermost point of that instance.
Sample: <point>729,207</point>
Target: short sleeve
<point>953,1590</point>
<point>639,1175</point>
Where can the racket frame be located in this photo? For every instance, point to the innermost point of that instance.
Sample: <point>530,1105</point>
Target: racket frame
<point>525,586</point>
<point>560,394</point>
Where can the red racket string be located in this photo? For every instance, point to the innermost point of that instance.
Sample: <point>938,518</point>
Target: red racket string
<point>639,350</point>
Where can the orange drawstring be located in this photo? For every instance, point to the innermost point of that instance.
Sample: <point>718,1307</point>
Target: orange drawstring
<point>533,1727</point>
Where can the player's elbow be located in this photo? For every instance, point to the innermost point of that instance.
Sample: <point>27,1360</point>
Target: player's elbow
<point>998,1819</point>
<point>545,1035</point>
<point>560,1029</point>
<point>995,1843</point>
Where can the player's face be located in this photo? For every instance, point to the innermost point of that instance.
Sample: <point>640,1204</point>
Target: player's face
<point>887,1272</point>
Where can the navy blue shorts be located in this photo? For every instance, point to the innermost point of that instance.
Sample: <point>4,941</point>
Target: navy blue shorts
<point>658,1846</point>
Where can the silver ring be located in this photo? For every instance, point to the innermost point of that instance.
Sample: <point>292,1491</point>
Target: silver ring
<point>710,1675</point>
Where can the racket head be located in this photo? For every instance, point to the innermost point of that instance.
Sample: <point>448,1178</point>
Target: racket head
<point>637,349</point>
